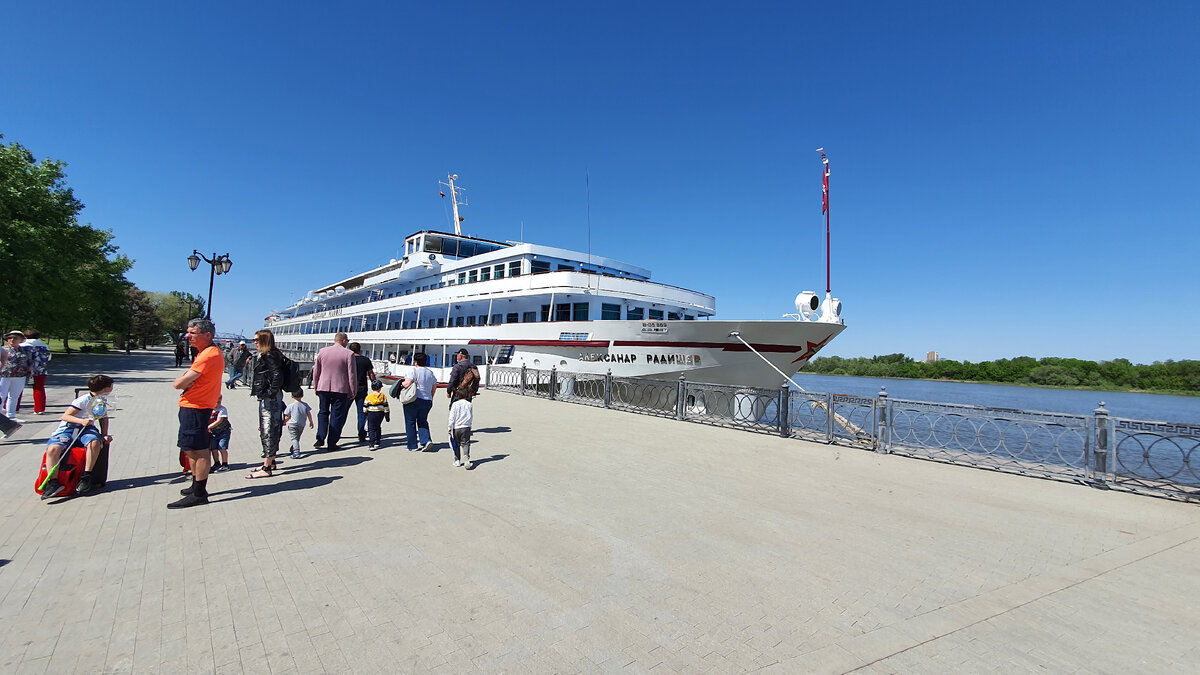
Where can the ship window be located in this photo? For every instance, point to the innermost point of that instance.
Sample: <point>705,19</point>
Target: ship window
<point>441,323</point>
<point>562,311</point>
<point>477,360</point>
<point>473,276</point>
<point>545,312</point>
<point>635,313</point>
<point>565,268</point>
<point>442,285</point>
<point>688,317</point>
<point>580,312</point>
<point>485,273</point>
<point>462,277</point>
<point>498,272</point>
<point>529,317</point>
<point>512,317</point>
<point>656,314</point>
<point>458,321</point>
<point>497,318</point>
<point>433,244</point>
<point>540,266</point>
<point>514,268</point>
<point>610,312</point>
<point>673,316</point>
<point>470,321</point>
<point>483,319</point>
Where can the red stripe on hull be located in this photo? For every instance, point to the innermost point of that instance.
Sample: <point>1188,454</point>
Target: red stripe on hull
<point>543,343</point>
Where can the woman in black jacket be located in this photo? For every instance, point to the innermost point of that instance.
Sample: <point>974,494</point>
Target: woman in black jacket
<point>268,387</point>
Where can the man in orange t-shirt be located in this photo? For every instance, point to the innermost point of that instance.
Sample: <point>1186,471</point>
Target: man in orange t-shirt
<point>201,387</point>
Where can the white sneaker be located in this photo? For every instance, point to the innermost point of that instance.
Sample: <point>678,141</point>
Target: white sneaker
<point>19,420</point>
<point>426,447</point>
<point>457,463</point>
<point>467,462</point>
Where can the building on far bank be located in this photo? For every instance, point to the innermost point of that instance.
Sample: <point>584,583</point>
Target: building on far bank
<point>930,357</point>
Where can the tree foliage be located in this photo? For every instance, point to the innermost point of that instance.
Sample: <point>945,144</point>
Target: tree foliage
<point>59,276</point>
<point>174,309</point>
<point>1118,374</point>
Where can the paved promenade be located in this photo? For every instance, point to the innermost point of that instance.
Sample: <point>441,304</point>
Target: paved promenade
<point>585,540</point>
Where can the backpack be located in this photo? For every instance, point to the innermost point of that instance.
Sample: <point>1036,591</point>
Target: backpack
<point>291,374</point>
<point>469,387</point>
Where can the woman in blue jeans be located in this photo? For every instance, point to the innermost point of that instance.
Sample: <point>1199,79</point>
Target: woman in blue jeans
<point>416,414</point>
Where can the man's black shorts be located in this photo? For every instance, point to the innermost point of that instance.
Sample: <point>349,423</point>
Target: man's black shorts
<point>193,428</point>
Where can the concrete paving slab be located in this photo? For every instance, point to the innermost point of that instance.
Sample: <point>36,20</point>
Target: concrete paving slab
<point>584,540</point>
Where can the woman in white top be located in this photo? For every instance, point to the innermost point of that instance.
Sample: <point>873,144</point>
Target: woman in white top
<point>416,414</point>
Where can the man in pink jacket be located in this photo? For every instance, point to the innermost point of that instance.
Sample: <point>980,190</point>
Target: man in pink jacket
<point>333,377</point>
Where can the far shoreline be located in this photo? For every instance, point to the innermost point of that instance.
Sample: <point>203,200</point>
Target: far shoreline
<point>1015,384</point>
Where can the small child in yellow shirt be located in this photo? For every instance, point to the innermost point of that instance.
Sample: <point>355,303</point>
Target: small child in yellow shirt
<point>376,407</point>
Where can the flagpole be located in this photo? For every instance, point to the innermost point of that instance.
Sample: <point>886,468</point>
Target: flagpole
<point>825,210</point>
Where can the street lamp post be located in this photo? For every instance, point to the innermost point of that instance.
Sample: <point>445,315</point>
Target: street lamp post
<point>133,308</point>
<point>220,265</point>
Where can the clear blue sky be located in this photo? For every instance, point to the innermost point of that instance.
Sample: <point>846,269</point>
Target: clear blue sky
<point>1018,178</point>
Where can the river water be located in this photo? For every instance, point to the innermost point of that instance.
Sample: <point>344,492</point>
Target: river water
<point>1155,407</point>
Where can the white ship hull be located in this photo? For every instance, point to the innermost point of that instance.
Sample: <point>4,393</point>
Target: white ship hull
<point>701,351</point>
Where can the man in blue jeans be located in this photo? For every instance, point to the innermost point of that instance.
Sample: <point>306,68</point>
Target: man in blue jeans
<point>240,357</point>
<point>333,378</point>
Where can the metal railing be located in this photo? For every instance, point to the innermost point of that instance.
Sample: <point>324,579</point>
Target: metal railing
<point>1155,458</point>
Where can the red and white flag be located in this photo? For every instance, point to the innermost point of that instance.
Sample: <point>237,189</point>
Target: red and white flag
<point>824,184</point>
<point>443,194</point>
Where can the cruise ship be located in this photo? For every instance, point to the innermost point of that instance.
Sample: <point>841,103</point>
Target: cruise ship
<point>523,304</point>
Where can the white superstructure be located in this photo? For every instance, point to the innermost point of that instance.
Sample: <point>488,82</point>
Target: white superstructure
<point>542,307</point>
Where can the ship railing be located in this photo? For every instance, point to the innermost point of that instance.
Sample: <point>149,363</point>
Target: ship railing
<point>1146,457</point>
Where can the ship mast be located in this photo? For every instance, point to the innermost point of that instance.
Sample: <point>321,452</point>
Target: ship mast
<point>454,195</point>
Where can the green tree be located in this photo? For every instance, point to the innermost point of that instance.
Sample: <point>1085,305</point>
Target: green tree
<point>61,277</point>
<point>174,309</point>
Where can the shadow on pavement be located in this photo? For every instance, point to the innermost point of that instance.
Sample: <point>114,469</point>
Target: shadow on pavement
<point>492,430</point>
<point>476,462</point>
<point>266,486</point>
<point>332,463</point>
<point>137,482</point>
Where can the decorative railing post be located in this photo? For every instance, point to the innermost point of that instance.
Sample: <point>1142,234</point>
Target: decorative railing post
<point>784,407</point>
<point>553,381</point>
<point>829,418</point>
<point>680,398</point>
<point>1100,463</point>
<point>881,417</point>
<point>487,378</point>
<point>522,379</point>
<point>608,389</point>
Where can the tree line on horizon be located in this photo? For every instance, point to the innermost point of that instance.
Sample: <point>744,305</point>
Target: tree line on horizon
<point>64,278</point>
<point>1117,374</point>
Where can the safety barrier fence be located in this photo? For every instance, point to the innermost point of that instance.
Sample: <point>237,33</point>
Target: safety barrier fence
<point>1157,458</point>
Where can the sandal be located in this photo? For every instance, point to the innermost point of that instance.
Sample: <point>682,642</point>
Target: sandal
<point>260,472</point>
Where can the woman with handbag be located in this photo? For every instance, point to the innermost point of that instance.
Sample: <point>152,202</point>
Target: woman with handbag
<point>268,387</point>
<point>418,386</point>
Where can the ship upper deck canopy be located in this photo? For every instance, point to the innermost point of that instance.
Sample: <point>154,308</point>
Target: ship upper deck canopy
<point>450,245</point>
